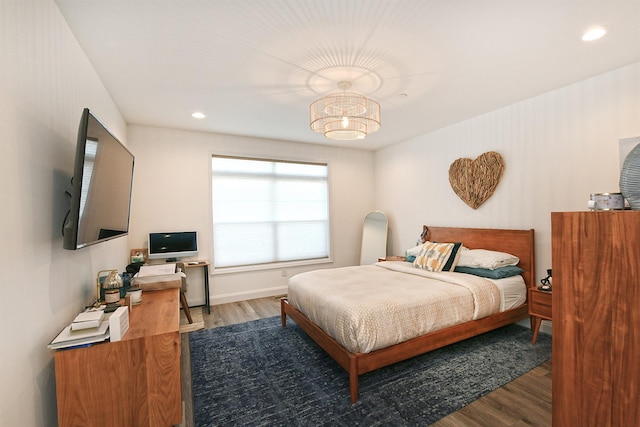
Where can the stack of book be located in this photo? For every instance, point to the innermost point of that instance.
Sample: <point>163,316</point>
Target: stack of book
<point>87,328</point>
<point>88,319</point>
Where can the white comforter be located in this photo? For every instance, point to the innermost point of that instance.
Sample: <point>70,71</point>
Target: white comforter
<point>366,308</point>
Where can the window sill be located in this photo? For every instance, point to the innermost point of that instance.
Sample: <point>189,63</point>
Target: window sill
<point>272,266</point>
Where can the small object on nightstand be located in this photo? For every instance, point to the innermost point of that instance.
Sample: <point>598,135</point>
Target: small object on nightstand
<point>546,282</point>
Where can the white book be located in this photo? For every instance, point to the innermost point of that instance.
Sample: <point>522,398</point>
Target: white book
<point>69,338</point>
<point>80,342</point>
<point>89,316</point>
<point>155,270</point>
<point>89,324</point>
<point>87,320</point>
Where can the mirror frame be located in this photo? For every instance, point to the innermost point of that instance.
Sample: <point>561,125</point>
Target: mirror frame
<point>375,228</point>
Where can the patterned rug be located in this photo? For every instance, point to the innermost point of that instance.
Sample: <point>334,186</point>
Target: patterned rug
<point>260,374</point>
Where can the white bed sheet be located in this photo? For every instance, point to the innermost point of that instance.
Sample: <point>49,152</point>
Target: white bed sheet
<point>513,292</point>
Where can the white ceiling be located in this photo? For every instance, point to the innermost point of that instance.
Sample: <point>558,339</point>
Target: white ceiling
<point>254,66</point>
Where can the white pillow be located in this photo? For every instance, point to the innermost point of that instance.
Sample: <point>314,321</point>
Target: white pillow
<point>414,251</point>
<point>483,258</point>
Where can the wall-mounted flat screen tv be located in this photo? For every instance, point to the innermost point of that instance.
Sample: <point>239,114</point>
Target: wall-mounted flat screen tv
<point>101,186</point>
<point>173,245</point>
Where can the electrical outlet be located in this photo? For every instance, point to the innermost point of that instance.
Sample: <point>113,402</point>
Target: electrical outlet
<point>284,273</point>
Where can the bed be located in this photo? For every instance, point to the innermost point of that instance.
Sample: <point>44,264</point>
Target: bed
<point>328,329</point>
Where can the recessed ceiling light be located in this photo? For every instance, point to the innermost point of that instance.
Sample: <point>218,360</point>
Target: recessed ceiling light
<point>594,34</point>
<point>198,115</point>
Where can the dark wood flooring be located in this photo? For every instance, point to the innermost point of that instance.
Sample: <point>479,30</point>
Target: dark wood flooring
<point>525,401</point>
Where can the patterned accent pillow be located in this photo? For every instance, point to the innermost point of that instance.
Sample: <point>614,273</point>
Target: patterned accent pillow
<point>437,256</point>
<point>454,258</point>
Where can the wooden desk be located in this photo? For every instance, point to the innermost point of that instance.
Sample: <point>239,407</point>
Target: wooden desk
<point>133,382</point>
<point>205,266</point>
<point>539,308</point>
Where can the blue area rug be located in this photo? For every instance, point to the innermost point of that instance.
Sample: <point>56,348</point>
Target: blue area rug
<point>260,374</point>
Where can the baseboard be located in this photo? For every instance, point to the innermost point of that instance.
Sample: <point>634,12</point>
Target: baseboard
<point>545,327</point>
<point>247,295</point>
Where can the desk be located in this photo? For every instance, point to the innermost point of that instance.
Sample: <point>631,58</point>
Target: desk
<point>205,266</point>
<point>133,382</point>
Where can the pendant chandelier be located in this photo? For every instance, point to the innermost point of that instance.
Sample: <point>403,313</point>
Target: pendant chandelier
<point>345,116</point>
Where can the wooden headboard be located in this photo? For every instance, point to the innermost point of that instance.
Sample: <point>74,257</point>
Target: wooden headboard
<point>516,242</point>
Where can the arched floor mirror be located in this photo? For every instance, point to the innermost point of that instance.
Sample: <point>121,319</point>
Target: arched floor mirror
<point>374,238</point>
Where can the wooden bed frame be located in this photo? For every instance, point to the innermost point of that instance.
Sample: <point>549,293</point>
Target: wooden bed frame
<point>517,242</point>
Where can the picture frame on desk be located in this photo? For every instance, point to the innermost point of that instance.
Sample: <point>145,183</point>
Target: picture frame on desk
<point>139,255</point>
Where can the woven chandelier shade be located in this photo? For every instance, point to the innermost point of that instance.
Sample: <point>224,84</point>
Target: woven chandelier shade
<point>345,116</point>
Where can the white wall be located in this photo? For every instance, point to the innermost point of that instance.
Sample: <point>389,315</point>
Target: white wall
<point>172,191</point>
<point>558,148</point>
<point>45,82</point>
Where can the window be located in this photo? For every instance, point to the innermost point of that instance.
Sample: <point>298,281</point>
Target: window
<point>268,211</point>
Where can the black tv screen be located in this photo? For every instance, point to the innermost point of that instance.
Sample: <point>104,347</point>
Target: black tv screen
<point>101,186</point>
<point>173,245</point>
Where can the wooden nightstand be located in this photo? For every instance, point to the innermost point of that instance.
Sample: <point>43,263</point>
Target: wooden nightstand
<point>539,308</point>
<point>392,258</point>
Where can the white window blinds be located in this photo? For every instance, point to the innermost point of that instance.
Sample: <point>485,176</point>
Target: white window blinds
<point>268,211</point>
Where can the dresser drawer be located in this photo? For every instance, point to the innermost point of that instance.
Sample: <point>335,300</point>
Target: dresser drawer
<point>540,303</point>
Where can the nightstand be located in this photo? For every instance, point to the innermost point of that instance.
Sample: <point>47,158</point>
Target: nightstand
<point>392,258</point>
<point>539,308</point>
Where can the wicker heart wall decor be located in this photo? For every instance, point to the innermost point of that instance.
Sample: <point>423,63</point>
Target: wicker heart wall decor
<point>474,181</point>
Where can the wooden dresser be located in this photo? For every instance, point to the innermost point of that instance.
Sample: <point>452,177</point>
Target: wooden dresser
<point>133,382</point>
<point>596,318</point>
